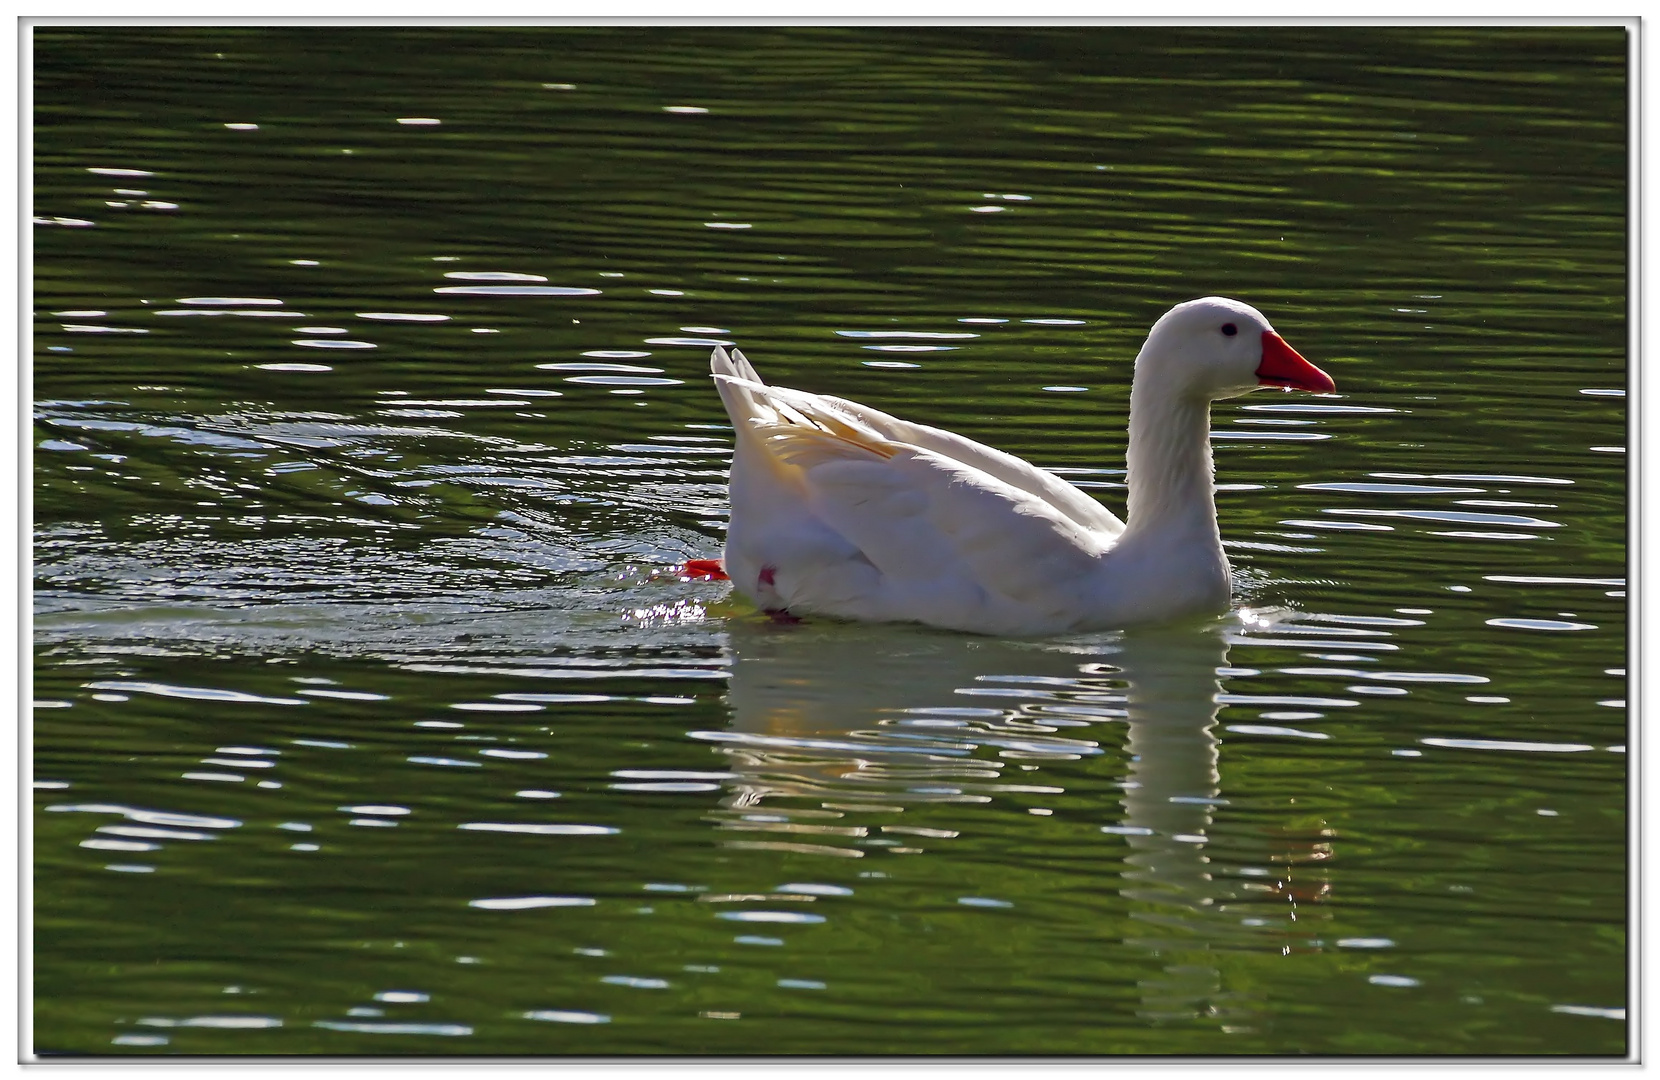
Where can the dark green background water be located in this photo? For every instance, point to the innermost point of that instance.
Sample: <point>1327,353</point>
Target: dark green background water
<point>307,617</point>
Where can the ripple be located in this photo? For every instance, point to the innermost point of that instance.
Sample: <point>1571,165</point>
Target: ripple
<point>1392,980</point>
<point>636,982</point>
<point>634,368</point>
<point>250,313</point>
<point>558,699</point>
<point>230,301</point>
<point>698,342</point>
<point>492,275</point>
<point>838,745</point>
<point>811,889</point>
<point>623,380</point>
<point>332,343</point>
<point>515,290</point>
<point>983,902</point>
<point>888,364</point>
<point>422,759</point>
<point>1347,526</point>
<point>1540,624</point>
<point>1529,579</point>
<point>1508,744</point>
<point>567,1016</point>
<point>370,1027</point>
<point>397,316</point>
<point>345,695</point>
<point>1388,489</point>
<point>801,984</point>
<point>1365,943</point>
<point>539,828</point>
<point>1497,478</point>
<point>1268,729</point>
<point>1466,517</point>
<point>1590,1010</point>
<point>526,903</point>
<point>798,917</point>
<point>915,334</point>
<point>193,693</point>
<point>119,845</point>
<point>1315,407</point>
<point>294,367</point>
<point>1283,699</point>
<point>241,1023</point>
<point>1391,676</point>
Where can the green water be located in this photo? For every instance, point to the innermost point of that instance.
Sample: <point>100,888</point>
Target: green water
<point>369,719</point>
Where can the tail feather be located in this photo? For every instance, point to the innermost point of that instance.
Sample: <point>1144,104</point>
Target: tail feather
<point>745,368</point>
<point>789,429</point>
<point>737,382</point>
<point>721,363</point>
<point>805,447</point>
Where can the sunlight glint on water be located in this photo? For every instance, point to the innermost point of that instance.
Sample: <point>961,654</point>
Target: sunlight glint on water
<point>372,719</point>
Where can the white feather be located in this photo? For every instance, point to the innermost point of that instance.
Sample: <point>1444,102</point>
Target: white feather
<point>840,509</point>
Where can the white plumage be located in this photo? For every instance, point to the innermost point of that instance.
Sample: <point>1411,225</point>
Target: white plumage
<point>839,509</point>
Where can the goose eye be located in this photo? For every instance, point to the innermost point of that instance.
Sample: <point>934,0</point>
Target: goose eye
<point>1229,329</point>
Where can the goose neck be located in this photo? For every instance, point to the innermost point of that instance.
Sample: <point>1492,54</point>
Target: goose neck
<point>1169,469</point>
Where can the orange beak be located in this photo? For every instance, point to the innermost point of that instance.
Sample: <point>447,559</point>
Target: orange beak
<point>1284,366</point>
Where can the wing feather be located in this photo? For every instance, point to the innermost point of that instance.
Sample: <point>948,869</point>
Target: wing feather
<point>900,517</point>
<point>840,415</point>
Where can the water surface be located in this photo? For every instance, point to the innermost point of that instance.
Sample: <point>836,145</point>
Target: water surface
<point>372,413</point>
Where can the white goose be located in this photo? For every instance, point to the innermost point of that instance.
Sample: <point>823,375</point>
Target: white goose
<point>841,510</point>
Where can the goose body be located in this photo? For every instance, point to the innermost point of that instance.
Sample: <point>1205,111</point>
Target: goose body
<point>839,509</point>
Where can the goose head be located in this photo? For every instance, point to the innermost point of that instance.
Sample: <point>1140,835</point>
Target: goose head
<point>1219,348</point>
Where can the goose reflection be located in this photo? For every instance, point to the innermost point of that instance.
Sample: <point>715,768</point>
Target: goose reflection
<point>831,720</point>
<point>861,716</point>
<point>897,713</point>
